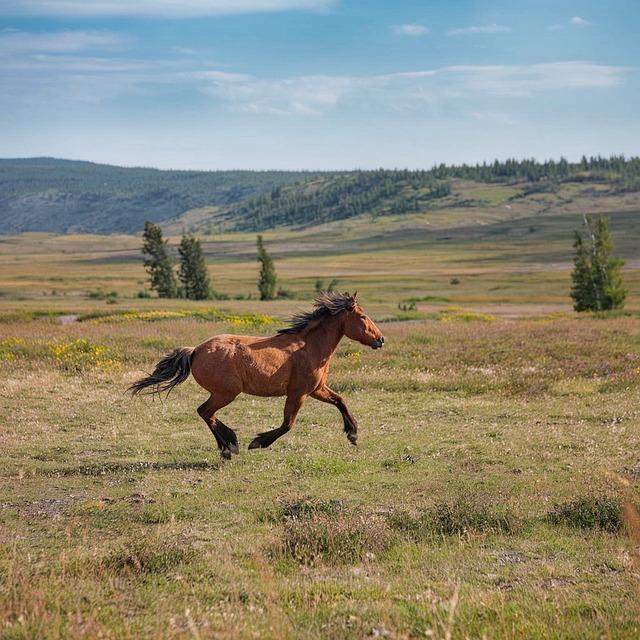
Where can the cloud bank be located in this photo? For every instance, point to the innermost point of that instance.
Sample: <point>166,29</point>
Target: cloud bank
<point>157,8</point>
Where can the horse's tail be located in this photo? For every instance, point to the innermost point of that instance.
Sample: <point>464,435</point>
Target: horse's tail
<point>173,369</point>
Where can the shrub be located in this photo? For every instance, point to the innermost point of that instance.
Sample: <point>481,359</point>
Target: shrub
<point>306,507</point>
<point>110,297</point>
<point>285,294</point>
<point>589,512</point>
<point>333,539</point>
<point>455,518</point>
<point>146,557</point>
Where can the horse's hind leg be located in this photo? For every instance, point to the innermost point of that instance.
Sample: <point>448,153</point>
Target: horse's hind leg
<point>225,437</point>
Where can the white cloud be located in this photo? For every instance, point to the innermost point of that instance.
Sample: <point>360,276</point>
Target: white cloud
<point>303,95</point>
<point>410,30</point>
<point>577,21</point>
<point>487,28</point>
<point>19,42</point>
<point>157,8</point>
<point>314,95</point>
<point>39,78</point>
<point>554,27</point>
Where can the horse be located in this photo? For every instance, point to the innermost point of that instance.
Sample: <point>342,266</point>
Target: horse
<point>293,363</point>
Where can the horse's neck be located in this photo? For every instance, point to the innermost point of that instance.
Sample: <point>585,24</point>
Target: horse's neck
<point>322,340</point>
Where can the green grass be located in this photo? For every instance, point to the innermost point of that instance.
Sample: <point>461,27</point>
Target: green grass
<point>481,500</point>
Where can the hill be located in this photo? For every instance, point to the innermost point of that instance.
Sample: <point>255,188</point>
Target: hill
<point>63,196</point>
<point>392,192</point>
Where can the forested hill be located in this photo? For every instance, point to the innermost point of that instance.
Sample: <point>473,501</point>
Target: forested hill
<point>47,194</point>
<point>385,192</point>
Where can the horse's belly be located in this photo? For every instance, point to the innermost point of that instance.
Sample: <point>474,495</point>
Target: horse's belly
<point>262,379</point>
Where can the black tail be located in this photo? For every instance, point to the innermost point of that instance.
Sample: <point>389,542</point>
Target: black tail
<point>173,369</point>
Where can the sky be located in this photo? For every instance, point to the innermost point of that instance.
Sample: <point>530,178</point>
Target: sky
<point>318,84</point>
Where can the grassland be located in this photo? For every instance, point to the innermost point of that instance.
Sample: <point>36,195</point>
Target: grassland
<point>500,440</point>
<point>501,252</point>
<point>117,519</point>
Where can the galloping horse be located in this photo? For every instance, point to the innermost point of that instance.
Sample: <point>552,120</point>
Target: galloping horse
<point>293,363</point>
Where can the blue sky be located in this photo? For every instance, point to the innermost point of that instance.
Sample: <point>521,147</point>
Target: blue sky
<point>317,84</point>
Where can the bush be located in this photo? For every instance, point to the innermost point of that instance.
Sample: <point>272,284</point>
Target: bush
<point>455,518</point>
<point>285,294</point>
<point>147,557</point>
<point>110,297</point>
<point>589,512</point>
<point>306,507</point>
<point>331,539</point>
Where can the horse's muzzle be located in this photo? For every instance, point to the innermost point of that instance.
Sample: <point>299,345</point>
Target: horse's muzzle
<point>377,344</point>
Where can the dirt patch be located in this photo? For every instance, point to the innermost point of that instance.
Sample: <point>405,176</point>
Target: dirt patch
<point>52,507</point>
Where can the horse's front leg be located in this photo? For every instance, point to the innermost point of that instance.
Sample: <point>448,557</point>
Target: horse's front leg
<point>291,408</point>
<point>324,394</point>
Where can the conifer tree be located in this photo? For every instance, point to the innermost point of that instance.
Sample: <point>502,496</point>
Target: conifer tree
<point>268,278</point>
<point>158,262</point>
<point>597,282</point>
<point>193,272</point>
<point>582,290</point>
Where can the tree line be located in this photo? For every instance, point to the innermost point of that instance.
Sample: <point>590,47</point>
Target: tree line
<point>192,278</point>
<point>382,192</point>
<point>341,196</point>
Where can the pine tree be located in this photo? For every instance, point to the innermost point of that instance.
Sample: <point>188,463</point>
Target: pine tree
<point>158,263</point>
<point>597,282</point>
<point>268,278</point>
<point>193,270</point>
<point>610,293</point>
<point>582,290</point>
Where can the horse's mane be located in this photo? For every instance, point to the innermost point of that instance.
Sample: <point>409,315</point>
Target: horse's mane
<point>325,305</point>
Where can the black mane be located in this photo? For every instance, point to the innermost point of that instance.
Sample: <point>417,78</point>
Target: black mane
<point>325,305</point>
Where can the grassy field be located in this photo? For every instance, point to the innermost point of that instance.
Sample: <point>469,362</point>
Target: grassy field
<point>484,499</point>
<point>498,455</point>
<point>495,254</point>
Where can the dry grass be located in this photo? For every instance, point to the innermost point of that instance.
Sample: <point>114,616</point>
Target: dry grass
<point>117,519</point>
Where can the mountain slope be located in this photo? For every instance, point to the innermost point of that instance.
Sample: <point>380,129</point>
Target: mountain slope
<point>62,196</point>
<point>47,194</point>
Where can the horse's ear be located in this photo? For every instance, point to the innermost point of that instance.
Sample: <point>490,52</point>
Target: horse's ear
<point>355,296</point>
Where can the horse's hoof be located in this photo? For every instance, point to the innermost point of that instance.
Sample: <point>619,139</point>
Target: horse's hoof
<point>225,453</point>
<point>256,443</point>
<point>233,447</point>
<point>353,440</point>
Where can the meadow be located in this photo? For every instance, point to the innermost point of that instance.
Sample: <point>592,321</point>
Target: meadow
<point>491,494</point>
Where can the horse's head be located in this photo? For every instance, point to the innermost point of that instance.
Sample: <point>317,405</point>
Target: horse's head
<point>359,326</point>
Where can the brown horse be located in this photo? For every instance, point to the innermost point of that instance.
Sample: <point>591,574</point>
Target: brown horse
<point>293,363</point>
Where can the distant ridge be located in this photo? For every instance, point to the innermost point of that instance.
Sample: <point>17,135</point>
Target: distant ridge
<point>64,196</point>
<point>67,196</point>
